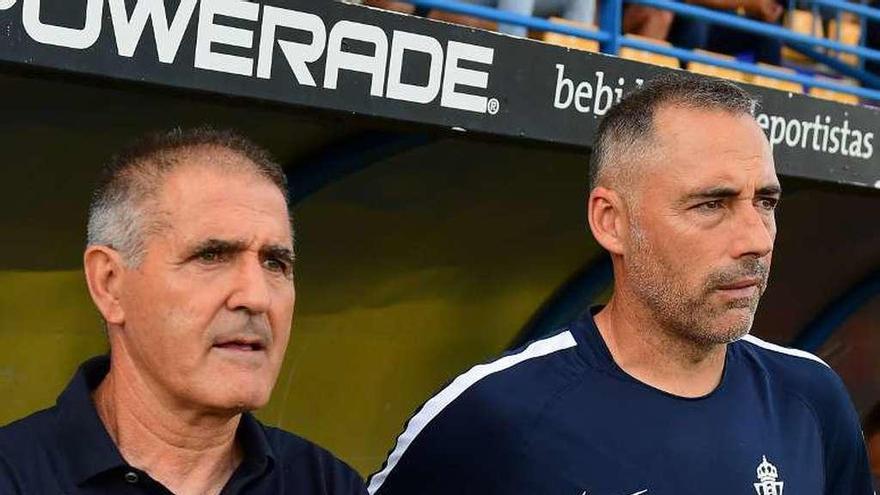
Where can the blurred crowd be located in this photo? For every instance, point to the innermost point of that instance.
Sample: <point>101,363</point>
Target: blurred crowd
<point>654,23</point>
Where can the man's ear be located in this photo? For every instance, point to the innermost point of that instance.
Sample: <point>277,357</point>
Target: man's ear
<point>605,214</point>
<point>104,273</point>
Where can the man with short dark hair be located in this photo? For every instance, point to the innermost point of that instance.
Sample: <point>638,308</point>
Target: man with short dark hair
<point>190,263</point>
<point>662,390</point>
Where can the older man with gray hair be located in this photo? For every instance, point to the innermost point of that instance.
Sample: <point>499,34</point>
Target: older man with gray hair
<point>662,390</point>
<point>190,263</point>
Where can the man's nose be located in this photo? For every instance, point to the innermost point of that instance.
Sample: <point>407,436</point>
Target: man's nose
<point>250,290</point>
<point>754,234</point>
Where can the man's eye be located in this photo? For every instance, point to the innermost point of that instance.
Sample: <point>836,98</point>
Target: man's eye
<point>768,204</point>
<point>209,257</point>
<point>710,205</point>
<point>276,265</point>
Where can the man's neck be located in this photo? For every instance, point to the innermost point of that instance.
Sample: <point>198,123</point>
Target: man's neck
<point>188,452</point>
<point>657,356</point>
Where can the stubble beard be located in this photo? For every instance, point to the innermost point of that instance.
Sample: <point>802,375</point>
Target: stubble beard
<point>692,313</point>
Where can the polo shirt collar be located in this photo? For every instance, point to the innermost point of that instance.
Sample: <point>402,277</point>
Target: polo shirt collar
<point>258,453</point>
<point>88,448</point>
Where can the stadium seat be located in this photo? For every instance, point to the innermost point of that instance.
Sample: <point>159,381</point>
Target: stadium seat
<point>803,22</point>
<point>714,70</point>
<point>828,94</point>
<point>772,82</point>
<point>850,33</point>
<point>646,56</point>
<point>570,41</point>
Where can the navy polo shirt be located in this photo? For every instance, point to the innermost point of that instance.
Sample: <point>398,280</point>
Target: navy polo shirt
<point>560,417</point>
<point>66,450</point>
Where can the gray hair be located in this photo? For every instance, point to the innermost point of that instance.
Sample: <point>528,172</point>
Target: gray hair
<point>119,212</point>
<point>624,135</point>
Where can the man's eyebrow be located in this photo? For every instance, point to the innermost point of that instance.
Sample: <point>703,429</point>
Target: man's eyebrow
<point>721,192</point>
<point>218,246</point>
<point>278,251</point>
<point>770,190</point>
<point>228,247</point>
<point>711,193</point>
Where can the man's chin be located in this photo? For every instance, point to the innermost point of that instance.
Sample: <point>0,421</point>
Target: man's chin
<point>238,394</point>
<point>236,403</point>
<point>237,387</point>
<point>733,325</point>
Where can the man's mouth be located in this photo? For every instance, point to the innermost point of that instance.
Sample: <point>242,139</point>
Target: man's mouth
<point>741,284</point>
<point>243,345</point>
<point>742,289</point>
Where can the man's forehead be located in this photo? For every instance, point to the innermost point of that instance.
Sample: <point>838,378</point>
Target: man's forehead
<point>200,202</point>
<point>703,148</point>
<point>674,122</point>
<point>745,176</point>
<point>257,236</point>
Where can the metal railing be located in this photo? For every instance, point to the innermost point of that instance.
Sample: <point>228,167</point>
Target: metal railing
<point>611,39</point>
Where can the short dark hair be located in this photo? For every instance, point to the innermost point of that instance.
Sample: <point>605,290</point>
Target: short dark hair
<point>629,125</point>
<point>134,175</point>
